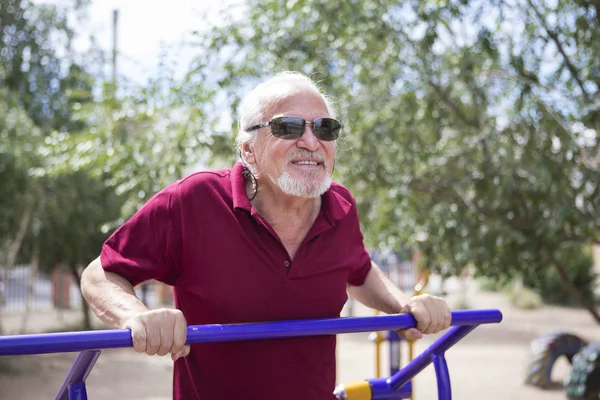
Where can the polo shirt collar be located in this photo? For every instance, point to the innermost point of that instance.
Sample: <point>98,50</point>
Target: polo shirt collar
<point>238,188</point>
<point>334,206</point>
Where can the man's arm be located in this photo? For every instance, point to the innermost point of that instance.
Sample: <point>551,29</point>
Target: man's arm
<point>379,293</point>
<point>111,297</point>
<point>113,300</point>
<point>431,313</point>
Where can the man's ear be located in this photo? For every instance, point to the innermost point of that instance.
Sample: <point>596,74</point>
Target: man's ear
<point>247,152</point>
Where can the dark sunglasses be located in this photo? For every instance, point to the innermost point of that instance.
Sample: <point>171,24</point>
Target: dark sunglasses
<point>291,128</point>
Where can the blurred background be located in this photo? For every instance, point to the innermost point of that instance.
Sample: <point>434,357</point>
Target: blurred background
<point>470,143</point>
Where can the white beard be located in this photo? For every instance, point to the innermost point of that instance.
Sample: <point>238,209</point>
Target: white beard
<point>301,187</point>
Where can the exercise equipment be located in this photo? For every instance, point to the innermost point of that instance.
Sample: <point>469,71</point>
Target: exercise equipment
<point>91,344</point>
<point>544,351</point>
<point>583,383</point>
<point>394,339</point>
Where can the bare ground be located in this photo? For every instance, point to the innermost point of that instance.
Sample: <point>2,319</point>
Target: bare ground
<point>488,364</point>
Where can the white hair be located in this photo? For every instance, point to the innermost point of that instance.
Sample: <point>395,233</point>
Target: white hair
<point>300,188</point>
<point>264,97</point>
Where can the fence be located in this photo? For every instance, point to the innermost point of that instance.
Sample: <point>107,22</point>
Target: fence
<point>403,273</point>
<point>21,289</point>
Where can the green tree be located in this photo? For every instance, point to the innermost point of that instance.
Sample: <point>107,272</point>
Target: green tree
<point>71,223</point>
<point>473,124</point>
<point>34,101</point>
<point>77,156</point>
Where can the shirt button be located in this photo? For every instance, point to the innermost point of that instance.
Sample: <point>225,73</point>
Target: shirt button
<point>287,264</point>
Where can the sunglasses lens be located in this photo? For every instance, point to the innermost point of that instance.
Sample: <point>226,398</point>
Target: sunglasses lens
<point>327,129</point>
<point>292,128</point>
<point>287,127</point>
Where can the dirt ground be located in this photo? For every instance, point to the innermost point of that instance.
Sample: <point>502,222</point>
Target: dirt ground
<point>488,364</point>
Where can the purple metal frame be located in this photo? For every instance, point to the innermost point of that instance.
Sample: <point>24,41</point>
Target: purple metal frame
<point>394,340</point>
<point>397,386</point>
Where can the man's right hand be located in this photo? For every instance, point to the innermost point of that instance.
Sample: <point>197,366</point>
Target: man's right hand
<point>161,332</point>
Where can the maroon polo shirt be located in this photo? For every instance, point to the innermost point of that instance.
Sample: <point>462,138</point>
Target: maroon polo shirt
<point>227,265</point>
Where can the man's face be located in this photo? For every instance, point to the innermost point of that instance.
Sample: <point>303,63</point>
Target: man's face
<point>300,167</point>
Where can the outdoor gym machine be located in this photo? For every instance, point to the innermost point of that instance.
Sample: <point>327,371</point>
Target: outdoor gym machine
<point>91,343</point>
<point>394,339</point>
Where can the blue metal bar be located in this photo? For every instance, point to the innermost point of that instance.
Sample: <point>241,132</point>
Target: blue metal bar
<point>79,341</point>
<point>77,391</point>
<point>382,390</point>
<point>396,387</point>
<point>443,377</point>
<point>394,340</point>
<point>63,342</point>
<point>326,326</point>
<point>424,359</point>
<point>74,385</point>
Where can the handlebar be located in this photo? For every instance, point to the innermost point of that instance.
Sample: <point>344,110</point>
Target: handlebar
<point>92,340</point>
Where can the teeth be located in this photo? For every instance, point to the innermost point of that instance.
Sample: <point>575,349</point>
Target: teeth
<point>306,163</point>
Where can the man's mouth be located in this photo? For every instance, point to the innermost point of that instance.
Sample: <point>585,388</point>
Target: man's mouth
<point>307,162</point>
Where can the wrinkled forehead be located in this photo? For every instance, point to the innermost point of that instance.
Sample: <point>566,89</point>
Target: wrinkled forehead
<point>296,99</point>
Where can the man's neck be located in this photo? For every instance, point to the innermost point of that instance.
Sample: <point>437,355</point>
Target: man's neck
<point>277,207</point>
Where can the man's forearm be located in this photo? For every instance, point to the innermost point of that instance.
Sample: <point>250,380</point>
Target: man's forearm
<point>379,293</point>
<point>110,296</point>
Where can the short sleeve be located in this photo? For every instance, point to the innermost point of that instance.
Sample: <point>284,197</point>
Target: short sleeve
<point>148,245</point>
<point>360,253</point>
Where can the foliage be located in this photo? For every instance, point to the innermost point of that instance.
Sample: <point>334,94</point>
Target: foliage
<point>471,125</point>
<point>34,99</point>
<point>580,270</point>
<point>524,298</point>
<point>32,39</point>
<point>84,152</point>
<point>492,285</point>
<point>18,137</point>
<point>68,224</point>
<point>471,128</point>
<point>84,156</point>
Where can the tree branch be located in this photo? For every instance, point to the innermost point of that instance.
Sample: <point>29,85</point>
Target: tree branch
<point>446,98</point>
<point>445,193</point>
<point>568,286</point>
<point>596,5</point>
<point>444,94</point>
<point>561,50</point>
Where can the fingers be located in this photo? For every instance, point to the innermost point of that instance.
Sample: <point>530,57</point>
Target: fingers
<point>436,318</point>
<point>418,308</point>
<point>411,334</point>
<point>444,316</point>
<point>153,340</point>
<point>183,353</point>
<point>159,332</point>
<point>138,334</point>
<point>179,348</point>
<point>431,313</point>
<point>166,341</point>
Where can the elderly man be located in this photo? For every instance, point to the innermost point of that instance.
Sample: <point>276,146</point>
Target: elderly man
<point>270,239</point>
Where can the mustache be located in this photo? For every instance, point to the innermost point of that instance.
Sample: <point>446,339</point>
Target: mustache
<point>311,155</point>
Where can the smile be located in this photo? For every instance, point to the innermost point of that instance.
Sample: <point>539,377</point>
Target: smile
<point>306,162</point>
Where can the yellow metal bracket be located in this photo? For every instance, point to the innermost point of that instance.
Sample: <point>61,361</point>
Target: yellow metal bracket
<point>358,390</point>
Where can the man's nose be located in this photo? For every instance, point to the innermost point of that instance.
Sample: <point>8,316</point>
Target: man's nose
<point>308,140</point>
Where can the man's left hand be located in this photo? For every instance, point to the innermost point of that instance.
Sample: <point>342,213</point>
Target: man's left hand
<point>432,315</point>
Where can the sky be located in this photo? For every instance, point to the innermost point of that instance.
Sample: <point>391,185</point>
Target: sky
<point>141,39</point>
<point>144,28</point>
<point>140,36</point>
